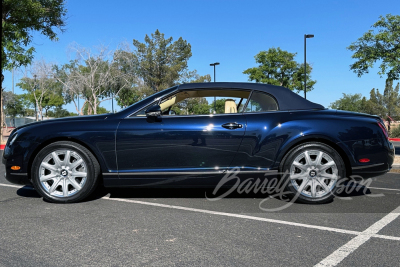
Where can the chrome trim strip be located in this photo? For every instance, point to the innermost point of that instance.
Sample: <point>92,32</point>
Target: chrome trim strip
<point>185,173</point>
<point>368,166</point>
<point>19,173</point>
<point>167,173</point>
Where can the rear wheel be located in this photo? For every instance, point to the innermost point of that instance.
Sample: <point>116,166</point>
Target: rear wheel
<point>312,172</point>
<point>65,172</point>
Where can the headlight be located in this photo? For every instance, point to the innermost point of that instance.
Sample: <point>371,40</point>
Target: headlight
<point>13,139</point>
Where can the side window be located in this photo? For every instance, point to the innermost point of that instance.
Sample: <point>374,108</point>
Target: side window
<point>204,102</point>
<point>261,102</point>
<point>141,112</point>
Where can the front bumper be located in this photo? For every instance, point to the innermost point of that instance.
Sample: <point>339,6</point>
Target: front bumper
<point>15,177</point>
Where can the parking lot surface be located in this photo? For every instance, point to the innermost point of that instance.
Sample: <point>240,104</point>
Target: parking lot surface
<point>181,227</point>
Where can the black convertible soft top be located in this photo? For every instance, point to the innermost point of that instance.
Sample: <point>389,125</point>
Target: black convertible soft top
<point>287,99</point>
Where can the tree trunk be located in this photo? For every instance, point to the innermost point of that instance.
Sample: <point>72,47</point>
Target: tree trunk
<point>83,106</point>
<point>1,111</point>
<point>1,108</point>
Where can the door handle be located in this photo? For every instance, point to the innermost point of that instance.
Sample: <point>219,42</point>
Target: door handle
<point>232,125</point>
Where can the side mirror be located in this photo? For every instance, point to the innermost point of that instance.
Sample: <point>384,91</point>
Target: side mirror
<point>153,112</point>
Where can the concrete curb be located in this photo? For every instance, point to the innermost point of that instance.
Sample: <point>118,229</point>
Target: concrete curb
<point>396,166</point>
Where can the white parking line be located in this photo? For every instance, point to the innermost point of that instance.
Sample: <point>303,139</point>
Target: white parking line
<point>392,189</point>
<point>332,260</point>
<point>338,255</point>
<point>338,230</point>
<point>17,186</point>
<point>324,228</point>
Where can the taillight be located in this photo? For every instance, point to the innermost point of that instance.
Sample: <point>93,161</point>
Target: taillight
<point>383,127</point>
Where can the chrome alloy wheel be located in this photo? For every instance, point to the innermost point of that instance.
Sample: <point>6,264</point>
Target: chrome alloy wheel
<point>62,173</point>
<point>314,173</point>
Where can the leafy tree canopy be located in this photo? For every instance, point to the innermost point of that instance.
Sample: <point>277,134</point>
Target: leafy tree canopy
<point>20,19</point>
<point>278,67</point>
<point>386,105</point>
<point>59,112</point>
<point>161,62</point>
<point>14,105</point>
<point>349,102</point>
<point>379,44</point>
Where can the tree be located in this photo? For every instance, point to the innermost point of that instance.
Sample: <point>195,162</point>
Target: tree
<point>381,44</point>
<point>93,75</point>
<point>132,88</point>
<point>386,105</point>
<point>391,100</point>
<point>219,106</point>
<point>39,83</point>
<point>377,106</point>
<point>71,88</point>
<point>20,19</point>
<point>59,112</point>
<point>278,67</point>
<point>99,110</point>
<point>13,104</point>
<point>52,100</point>
<point>128,96</point>
<point>160,62</point>
<point>194,77</point>
<point>2,116</point>
<point>349,102</point>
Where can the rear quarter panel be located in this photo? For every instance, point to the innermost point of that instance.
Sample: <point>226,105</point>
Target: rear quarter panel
<point>269,136</point>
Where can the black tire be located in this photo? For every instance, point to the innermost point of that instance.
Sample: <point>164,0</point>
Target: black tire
<point>91,167</point>
<point>294,186</point>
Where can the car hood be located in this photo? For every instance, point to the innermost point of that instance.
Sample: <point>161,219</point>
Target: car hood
<point>67,119</point>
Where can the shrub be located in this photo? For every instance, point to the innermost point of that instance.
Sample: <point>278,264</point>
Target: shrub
<point>395,132</point>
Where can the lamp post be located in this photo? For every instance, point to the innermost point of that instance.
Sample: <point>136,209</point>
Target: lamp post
<point>215,98</point>
<point>34,94</point>
<point>305,63</point>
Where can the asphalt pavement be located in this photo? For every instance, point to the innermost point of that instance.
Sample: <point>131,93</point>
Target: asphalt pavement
<point>182,227</point>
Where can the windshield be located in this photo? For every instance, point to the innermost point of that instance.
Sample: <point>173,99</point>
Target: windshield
<point>158,94</point>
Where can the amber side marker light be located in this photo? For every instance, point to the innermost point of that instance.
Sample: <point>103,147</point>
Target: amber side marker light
<point>364,160</point>
<point>15,168</point>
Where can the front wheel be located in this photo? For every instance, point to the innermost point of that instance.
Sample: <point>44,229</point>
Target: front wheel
<point>65,172</point>
<point>312,171</point>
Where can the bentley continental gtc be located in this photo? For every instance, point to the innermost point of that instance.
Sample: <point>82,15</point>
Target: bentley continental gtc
<point>191,135</point>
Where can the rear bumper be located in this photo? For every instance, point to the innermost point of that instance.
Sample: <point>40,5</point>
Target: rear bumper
<point>373,170</point>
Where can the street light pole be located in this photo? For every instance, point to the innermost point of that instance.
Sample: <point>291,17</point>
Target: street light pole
<point>215,98</point>
<point>305,62</point>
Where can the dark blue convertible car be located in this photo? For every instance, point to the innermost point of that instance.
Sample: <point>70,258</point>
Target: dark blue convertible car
<point>191,135</point>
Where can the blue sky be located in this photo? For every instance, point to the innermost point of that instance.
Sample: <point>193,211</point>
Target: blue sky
<point>232,33</point>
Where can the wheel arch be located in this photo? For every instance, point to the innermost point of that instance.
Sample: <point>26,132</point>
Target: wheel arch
<point>316,139</point>
<point>57,139</point>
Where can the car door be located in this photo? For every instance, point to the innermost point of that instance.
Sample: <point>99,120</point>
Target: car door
<point>189,149</point>
<point>263,138</point>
